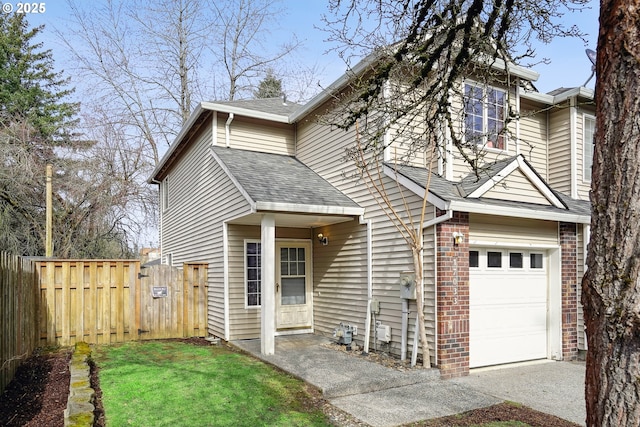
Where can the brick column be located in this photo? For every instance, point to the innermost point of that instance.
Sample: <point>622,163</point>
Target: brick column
<point>569,248</point>
<point>453,297</point>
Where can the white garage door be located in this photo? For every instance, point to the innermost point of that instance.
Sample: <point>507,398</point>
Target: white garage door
<point>507,306</point>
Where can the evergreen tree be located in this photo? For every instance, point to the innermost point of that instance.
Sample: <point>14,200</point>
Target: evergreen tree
<point>269,87</point>
<point>36,124</point>
<point>30,91</point>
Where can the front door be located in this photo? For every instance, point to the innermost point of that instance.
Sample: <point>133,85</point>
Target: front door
<point>293,285</point>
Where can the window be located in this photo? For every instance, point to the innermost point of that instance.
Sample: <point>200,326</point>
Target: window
<point>293,276</point>
<point>494,259</point>
<point>515,259</point>
<point>165,194</point>
<point>252,273</point>
<point>484,115</point>
<point>474,259</point>
<point>588,135</point>
<point>535,260</point>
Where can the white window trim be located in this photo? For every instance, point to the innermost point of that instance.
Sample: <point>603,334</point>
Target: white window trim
<point>504,134</point>
<point>246,277</point>
<point>164,194</point>
<point>586,117</point>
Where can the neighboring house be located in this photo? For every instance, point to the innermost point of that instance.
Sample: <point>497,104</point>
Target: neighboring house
<point>260,191</point>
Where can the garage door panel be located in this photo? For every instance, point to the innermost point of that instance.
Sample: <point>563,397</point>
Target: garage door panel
<point>508,349</point>
<point>508,315</point>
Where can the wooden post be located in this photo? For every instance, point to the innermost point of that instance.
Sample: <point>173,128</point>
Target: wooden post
<point>49,220</point>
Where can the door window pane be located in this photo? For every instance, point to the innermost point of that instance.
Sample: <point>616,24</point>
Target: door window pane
<point>293,291</point>
<point>494,259</point>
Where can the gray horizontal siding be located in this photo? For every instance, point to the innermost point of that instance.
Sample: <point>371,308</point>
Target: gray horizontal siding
<point>201,197</point>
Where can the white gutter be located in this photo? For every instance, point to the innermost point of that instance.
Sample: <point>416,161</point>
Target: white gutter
<point>227,130</point>
<point>518,117</point>
<point>310,209</point>
<point>246,112</point>
<point>519,212</point>
<point>437,220</point>
<point>369,280</point>
<point>573,123</point>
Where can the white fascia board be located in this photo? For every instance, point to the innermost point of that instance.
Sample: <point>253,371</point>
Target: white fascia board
<point>519,212</point>
<point>309,209</point>
<point>222,108</point>
<point>515,70</point>
<point>494,180</point>
<point>544,98</point>
<point>233,179</point>
<point>176,142</point>
<point>583,92</point>
<point>416,188</point>
<point>492,243</point>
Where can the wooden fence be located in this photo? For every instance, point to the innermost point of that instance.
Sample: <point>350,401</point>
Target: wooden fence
<point>108,301</point>
<point>18,315</point>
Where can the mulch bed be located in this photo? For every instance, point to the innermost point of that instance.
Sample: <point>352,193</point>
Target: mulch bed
<point>37,397</point>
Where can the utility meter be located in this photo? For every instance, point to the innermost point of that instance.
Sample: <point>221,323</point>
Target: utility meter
<point>407,285</point>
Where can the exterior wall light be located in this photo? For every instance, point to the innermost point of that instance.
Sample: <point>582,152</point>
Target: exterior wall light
<point>323,239</point>
<point>458,238</point>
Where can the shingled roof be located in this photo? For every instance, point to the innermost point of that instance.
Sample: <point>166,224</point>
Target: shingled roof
<point>277,178</point>
<point>266,105</point>
<point>457,191</point>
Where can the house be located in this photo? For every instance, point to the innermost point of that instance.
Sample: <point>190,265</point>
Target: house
<point>260,190</point>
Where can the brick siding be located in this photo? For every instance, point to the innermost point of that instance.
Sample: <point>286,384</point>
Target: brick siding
<point>569,248</point>
<point>453,297</point>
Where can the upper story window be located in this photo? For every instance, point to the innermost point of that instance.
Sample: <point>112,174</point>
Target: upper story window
<point>588,134</point>
<point>165,194</point>
<point>484,115</point>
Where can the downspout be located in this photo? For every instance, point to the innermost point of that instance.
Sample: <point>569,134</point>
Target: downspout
<point>518,117</point>
<point>369,281</point>
<point>573,119</point>
<point>227,130</point>
<point>405,323</point>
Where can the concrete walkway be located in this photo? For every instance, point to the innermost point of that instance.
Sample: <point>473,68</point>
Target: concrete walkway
<point>386,397</point>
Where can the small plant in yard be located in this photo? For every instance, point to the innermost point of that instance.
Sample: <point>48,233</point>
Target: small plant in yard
<point>170,383</point>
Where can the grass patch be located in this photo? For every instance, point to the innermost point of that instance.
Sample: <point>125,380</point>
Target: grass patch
<point>169,383</point>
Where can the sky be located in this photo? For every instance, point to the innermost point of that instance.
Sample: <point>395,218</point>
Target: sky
<point>568,67</point>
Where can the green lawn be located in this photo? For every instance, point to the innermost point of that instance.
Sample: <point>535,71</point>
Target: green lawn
<point>169,383</point>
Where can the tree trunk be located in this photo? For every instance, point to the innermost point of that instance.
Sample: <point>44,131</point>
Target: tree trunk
<point>417,264</point>
<point>611,295</point>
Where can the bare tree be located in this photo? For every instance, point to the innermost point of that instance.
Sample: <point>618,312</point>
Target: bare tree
<point>141,61</point>
<point>244,39</point>
<point>416,53</point>
<point>611,286</point>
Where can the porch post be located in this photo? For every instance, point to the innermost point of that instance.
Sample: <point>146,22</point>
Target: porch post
<point>268,280</point>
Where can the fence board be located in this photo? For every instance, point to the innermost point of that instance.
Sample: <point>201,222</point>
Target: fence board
<point>102,302</point>
<point>19,314</point>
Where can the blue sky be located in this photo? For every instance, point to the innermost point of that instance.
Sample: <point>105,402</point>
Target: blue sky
<point>569,66</point>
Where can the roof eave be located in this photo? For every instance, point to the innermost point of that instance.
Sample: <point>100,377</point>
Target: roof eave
<point>199,110</point>
<point>245,112</point>
<point>309,209</point>
<point>527,212</point>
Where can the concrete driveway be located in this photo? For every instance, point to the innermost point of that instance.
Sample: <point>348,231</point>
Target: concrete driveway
<point>386,397</point>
